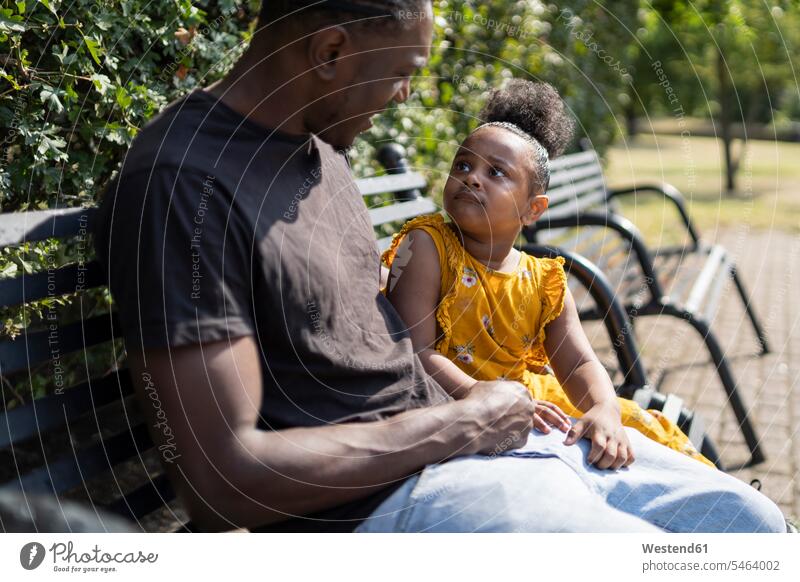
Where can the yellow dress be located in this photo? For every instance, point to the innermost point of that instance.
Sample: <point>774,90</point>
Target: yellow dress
<point>493,325</point>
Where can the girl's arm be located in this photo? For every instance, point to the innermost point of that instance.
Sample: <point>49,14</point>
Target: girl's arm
<point>414,288</point>
<point>574,362</point>
<point>590,389</point>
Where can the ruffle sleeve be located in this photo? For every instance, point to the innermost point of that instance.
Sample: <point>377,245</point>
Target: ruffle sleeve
<point>551,282</point>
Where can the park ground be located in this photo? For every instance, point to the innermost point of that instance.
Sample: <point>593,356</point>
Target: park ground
<point>768,184</point>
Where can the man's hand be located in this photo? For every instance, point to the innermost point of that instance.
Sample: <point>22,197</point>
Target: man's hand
<point>499,416</point>
<point>610,446</point>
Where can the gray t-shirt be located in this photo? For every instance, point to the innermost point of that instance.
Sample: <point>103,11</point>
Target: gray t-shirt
<point>219,228</point>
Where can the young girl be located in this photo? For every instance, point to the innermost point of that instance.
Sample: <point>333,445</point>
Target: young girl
<point>479,310</point>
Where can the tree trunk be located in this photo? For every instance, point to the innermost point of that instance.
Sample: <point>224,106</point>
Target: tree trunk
<point>723,81</point>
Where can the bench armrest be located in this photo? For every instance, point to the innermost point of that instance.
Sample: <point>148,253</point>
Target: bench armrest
<point>616,320</point>
<point>667,191</point>
<point>620,224</point>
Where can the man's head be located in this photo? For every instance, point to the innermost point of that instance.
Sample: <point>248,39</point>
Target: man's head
<point>351,58</point>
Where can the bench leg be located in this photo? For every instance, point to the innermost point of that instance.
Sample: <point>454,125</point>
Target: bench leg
<point>762,337</point>
<point>731,389</point>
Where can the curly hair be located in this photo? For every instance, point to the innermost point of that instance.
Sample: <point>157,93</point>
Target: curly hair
<point>536,112</point>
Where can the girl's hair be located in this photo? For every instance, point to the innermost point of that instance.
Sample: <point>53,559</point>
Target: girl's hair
<point>536,112</point>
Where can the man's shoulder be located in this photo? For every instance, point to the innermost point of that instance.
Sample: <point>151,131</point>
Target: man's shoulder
<point>181,135</point>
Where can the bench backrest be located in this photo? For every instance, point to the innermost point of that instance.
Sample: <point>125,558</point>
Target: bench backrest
<point>576,184</point>
<point>86,439</point>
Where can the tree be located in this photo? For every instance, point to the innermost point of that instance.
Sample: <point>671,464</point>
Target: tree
<point>730,60</point>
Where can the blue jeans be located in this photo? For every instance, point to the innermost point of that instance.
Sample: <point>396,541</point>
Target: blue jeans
<point>548,487</point>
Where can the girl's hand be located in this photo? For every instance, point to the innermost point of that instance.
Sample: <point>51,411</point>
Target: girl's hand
<point>547,414</point>
<point>610,446</point>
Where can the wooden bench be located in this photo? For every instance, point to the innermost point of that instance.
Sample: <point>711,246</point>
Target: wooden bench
<point>685,281</point>
<point>88,441</point>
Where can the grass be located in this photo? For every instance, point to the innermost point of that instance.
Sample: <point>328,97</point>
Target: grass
<point>768,182</point>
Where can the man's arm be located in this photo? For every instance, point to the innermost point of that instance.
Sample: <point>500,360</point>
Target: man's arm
<point>231,474</point>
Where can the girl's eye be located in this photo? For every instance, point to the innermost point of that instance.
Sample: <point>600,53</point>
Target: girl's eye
<point>462,166</point>
<point>497,171</point>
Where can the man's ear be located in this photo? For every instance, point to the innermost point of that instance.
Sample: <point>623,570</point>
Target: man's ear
<point>536,207</point>
<point>325,48</point>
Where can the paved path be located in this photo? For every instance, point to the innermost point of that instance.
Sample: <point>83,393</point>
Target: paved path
<point>676,359</point>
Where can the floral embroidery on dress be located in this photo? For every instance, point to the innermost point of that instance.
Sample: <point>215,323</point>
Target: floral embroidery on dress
<point>464,353</point>
<point>470,277</point>
<point>528,341</point>
<point>487,324</point>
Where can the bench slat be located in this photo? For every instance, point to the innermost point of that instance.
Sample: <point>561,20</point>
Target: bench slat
<point>402,211</point>
<point>571,160</point>
<point>587,201</point>
<point>61,281</point>
<point>54,411</point>
<point>19,227</point>
<point>714,295</point>
<point>391,183</point>
<point>576,192</point>
<point>32,349</point>
<point>700,289</point>
<point>575,175</point>
<point>73,469</point>
<point>146,499</point>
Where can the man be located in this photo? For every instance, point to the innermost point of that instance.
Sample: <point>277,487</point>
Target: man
<point>244,266</point>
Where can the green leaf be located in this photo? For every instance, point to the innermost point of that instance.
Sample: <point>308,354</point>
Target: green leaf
<point>26,266</point>
<point>9,270</point>
<point>48,5</point>
<point>10,23</point>
<point>94,48</point>
<point>50,95</point>
<point>21,6</point>
<point>10,79</point>
<point>52,145</point>
<point>124,100</point>
<point>101,83</point>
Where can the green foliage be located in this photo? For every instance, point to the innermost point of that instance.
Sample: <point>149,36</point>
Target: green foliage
<point>79,79</point>
<point>758,42</point>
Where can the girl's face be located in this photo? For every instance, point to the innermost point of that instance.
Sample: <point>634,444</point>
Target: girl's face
<point>488,191</point>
